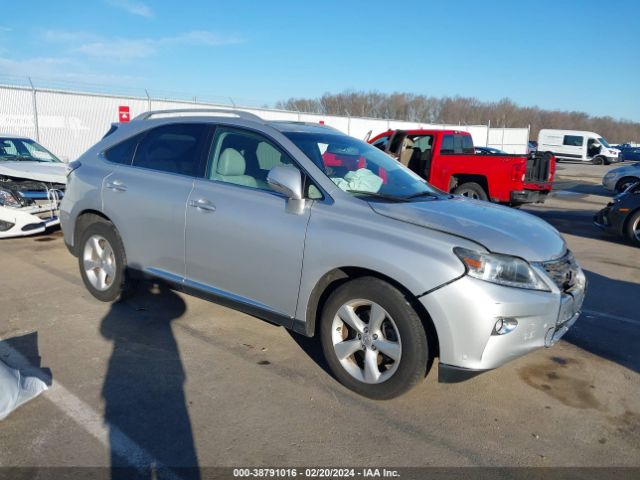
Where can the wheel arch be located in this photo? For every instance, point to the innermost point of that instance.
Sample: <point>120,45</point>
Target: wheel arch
<point>83,220</point>
<point>627,220</point>
<point>626,177</point>
<point>458,179</point>
<point>333,279</point>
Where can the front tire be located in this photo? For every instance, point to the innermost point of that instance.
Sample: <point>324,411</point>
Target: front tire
<point>598,161</point>
<point>102,261</point>
<point>625,183</point>
<point>373,339</point>
<point>472,190</point>
<point>633,229</point>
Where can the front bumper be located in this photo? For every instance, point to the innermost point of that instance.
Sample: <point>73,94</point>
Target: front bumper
<point>465,313</point>
<point>528,196</point>
<point>28,220</point>
<point>610,220</point>
<point>609,183</point>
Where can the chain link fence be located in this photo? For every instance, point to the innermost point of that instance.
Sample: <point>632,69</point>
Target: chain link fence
<point>69,118</point>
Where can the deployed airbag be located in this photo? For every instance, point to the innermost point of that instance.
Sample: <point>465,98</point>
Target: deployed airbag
<point>362,180</point>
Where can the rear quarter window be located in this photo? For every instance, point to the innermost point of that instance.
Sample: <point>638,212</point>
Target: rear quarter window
<point>457,144</point>
<point>123,152</point>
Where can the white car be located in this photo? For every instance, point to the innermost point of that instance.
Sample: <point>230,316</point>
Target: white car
<point>32,183</point>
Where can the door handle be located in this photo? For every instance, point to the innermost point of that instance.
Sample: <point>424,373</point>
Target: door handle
<point>203,204</point>
<point>117,186</point>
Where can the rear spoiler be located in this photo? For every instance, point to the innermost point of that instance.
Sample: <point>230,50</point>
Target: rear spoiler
<point>113,128</point>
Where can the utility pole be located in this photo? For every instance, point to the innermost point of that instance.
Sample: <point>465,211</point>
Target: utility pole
<point>35,110</point>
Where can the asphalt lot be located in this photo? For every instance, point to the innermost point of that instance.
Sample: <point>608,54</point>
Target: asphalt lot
<point>164,378</point>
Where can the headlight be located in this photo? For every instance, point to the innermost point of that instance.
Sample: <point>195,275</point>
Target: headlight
<point>8,199</point>
<point>500,269</point>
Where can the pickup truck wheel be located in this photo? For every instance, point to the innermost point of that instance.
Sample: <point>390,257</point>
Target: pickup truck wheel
<point>102,261</point>
<point>471,190</point>
<point>633,228</point>
<point>373,339</point>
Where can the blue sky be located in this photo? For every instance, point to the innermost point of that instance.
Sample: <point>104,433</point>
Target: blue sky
<point>573,55</point>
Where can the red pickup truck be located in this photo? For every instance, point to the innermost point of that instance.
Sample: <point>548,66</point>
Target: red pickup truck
<point>446,159</point>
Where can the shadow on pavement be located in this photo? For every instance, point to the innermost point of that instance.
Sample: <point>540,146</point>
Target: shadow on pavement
<point>22,353</point>
<point>614,334</point>
<point>145,405</point>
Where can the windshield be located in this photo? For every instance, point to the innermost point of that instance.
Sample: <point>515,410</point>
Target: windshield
<point>359,168</point>
<point>604,142</point>
<point>24,149</point>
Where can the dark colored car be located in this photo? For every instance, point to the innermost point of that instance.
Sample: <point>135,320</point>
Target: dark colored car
<point>630,154</point>
<point>489,151</point>
<point>622,215</point>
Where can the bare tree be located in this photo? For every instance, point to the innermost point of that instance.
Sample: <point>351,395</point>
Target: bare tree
<point>460,110</point>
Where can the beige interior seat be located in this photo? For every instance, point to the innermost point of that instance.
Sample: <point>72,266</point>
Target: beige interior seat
<point>407,151</point>
<point>231,169</point>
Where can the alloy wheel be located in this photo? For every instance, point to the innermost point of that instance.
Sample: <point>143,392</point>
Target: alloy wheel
<point>99,262</point>
<point>366,341</point>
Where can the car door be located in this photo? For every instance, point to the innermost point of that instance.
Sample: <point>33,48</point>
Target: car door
<point>242,242</point>
<point>146,198</point>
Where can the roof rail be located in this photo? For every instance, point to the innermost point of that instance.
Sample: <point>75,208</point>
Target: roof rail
<point>237,113</point>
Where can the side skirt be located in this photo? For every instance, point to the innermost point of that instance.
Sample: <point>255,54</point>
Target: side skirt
<point>223,298</point>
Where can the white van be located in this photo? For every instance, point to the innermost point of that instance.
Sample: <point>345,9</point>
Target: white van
<point>577,145</point>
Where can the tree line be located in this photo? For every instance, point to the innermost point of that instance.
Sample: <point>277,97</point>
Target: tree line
<point>461,110</point>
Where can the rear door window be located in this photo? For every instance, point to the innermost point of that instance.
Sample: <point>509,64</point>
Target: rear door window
<point>172,149</point>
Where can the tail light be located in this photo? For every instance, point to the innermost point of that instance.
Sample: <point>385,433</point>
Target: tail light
<point>552,168</point>
<point>518,172</point>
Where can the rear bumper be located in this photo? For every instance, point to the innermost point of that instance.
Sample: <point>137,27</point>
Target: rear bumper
<point>528,196</point>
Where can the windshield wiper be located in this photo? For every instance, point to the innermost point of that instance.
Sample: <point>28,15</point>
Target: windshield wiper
<point>378,195</point>
<point>421,194</point>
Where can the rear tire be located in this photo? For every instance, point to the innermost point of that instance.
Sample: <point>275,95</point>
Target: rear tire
<point>373,339</point>
<point>472,190</point>
<point>633,229</point>
<point>102,262</point>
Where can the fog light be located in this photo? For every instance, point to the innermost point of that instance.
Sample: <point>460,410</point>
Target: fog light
<point>504,326</point>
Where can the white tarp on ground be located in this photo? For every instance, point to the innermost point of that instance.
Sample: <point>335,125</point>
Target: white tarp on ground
<point>16,389</point>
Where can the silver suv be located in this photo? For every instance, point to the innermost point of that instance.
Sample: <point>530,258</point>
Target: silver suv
<point>324,234</point>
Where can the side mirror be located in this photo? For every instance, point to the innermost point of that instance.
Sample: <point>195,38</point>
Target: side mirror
<point>287,180</point>
<point>596,145</point>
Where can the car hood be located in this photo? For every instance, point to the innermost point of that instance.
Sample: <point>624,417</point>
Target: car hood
<point>633,169</point>
<point>499,229</point>
<point>40,171</point>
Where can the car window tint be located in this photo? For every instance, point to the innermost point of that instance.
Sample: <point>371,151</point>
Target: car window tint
<point>8,148</point>
<point>171,148</point>
<point>381,142</point>
<point>447,144</point>
<point>123,152</point>
<point>573,140</point>
<point>457,144</point>
<point>243,158</point>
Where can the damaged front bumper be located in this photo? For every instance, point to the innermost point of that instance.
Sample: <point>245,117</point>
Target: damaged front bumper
<point>30,220</point>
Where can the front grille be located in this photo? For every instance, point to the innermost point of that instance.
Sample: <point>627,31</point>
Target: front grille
<point>538,167</point>
<point>563,271</point>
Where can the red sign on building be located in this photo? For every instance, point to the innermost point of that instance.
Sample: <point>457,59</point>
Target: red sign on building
<point>123,113</point>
